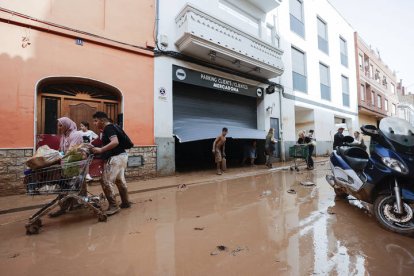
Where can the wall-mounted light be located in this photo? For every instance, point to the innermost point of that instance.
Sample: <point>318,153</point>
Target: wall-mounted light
<point>270,89</point>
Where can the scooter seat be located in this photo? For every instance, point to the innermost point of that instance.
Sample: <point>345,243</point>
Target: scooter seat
<point>356,158</point>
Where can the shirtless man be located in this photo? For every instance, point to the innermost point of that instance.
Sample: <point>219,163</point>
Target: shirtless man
<point>219,150</point>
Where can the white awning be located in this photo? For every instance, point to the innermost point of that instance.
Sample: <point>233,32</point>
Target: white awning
<point>192,131</point>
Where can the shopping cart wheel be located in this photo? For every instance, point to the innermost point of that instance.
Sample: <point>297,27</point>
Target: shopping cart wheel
<point>33,228</point>
<point>102,218</point>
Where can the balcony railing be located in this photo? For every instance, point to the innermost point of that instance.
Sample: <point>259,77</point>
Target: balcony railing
<point>204,36</point>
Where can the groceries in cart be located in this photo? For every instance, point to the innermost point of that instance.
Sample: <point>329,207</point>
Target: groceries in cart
<point>51,172</point>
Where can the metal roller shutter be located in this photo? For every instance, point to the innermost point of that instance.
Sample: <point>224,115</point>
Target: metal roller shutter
<point>200,113</point>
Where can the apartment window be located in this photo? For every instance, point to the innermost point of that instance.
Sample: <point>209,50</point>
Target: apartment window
<point>362,92</point>
<point>325,82</point>
<point>379,101</point>
<point>392,88</point>
<point>296,17</point>
<point>299,70</point>
<point>344,52</point>
<point>372,98</point>
<point>386,105</point>
<point>322,36</point>
<point>269,37</point>
<point>371,71</point>
<point>361,62</point>
<point>242,16</point>
<point>345,91</point>
<point>394,109</point>
<point>377,76</point>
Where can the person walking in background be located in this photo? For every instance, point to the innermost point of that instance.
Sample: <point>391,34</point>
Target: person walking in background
<point>270,147</point>
<point>113,151</point>
<point>338,138</point>
<point>87,134</point>
<point>359,140</point>
<point>305,140</point>
<point>312,144</point>
<point>219,151</point>
<point>250,153</point>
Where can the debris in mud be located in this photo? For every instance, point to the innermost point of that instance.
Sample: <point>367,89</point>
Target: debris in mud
<point>197,216</point>
<point>199,228</point>
<point>291,191</point>
<point>148,200</point>
<point>329,211</point>
<point>238,249</point>
<point>266,193</point>
<point>15,255</point>
<point>214,253</point>
<point>307,183</point>
<point>222,248</point>
<point>133,233</point>
<point>182,187</point>
<point>152,219</point>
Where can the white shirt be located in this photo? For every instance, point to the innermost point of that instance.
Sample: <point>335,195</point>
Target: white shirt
<point>89,134</point>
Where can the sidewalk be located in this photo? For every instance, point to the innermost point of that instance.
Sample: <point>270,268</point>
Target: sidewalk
<point>17,203</point>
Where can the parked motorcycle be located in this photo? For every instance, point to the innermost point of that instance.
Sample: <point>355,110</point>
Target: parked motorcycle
<point>385,178</point>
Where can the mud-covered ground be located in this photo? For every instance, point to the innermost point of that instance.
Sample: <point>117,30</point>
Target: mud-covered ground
<point>258,225</point>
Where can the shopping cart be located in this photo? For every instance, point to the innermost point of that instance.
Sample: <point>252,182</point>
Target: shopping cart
<point>299,153</point>
<point>67,180</point>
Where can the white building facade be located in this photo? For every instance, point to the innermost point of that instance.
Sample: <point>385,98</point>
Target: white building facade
<point>212,71</point>
<point>320,87</point>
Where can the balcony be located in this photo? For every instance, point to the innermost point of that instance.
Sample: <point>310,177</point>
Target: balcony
<point>265,5</point>
<point>213,40</point>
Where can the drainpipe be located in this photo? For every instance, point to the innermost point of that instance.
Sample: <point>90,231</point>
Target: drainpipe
<point>282,140</point>
<point>157,19</point>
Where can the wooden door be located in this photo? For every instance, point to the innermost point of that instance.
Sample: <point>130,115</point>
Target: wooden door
<point>81,110</point>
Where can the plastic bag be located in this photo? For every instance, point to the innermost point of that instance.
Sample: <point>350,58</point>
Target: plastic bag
<point>44,157</point>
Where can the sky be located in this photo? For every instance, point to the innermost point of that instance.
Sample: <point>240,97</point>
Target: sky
<point>387,26</point>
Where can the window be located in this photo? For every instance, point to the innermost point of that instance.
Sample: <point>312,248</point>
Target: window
<point>241,15</point>
<point>361,62</point>
<point>377,76</point>
<point>299,70</point>
<point>345,91</point>
<point>362,92</point>
<point>394,109</point>
<point>344,52</point>
<point>386,105</point>
<point>325,82</point>
<point>322,36</point>
<point>379,101</point>
<point>296,17</point>
<point>269,35</point>
<point>371,71</point>
<point>392,88</point>
<point>372,98</point>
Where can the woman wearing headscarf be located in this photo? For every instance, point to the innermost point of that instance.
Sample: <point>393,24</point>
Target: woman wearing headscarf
<point>69,134</point>
<point>305,140</point>
<point>70,137</point>
<point>270,146</point>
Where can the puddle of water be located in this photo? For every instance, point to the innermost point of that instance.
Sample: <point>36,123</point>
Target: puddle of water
<point>266,231</point>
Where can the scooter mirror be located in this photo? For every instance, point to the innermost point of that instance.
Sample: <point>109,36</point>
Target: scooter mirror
<point>369,130</point>
<point>348,139</point>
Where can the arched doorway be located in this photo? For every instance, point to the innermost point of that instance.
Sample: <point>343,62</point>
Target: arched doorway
<point>76,98</point>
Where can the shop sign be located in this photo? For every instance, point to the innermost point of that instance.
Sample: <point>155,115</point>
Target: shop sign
<point>181,74</point>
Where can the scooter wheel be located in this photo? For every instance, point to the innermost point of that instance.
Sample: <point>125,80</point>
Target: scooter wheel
<point>32,229</point>
<point>102,218</point>
<point>384,211</point>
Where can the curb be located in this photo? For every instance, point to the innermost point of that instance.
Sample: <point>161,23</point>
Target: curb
<point>248,174</point>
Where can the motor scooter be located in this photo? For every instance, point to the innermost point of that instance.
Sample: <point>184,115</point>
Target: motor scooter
<point>385,178</point>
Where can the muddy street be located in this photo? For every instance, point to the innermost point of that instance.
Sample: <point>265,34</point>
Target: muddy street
<point>267,224</point>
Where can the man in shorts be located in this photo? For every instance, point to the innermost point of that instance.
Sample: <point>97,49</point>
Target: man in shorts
<point>219,150</point>
<point>116,158</point>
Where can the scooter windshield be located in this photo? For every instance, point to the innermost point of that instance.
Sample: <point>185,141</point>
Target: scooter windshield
<point>398,131</point>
